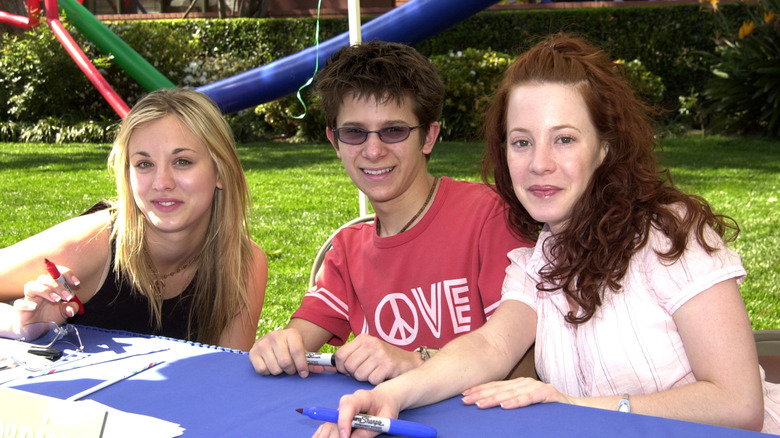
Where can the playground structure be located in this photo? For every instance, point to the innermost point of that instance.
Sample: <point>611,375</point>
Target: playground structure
<point>410,23</point>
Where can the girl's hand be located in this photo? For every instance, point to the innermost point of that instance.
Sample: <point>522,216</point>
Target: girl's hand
<point>511,394</point>
<point>10,322</point>
<point>43,301</point>
<point>16,322</point>
<point>56,291</point>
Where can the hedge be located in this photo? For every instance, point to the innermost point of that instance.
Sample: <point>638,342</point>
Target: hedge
<point>41,82</point>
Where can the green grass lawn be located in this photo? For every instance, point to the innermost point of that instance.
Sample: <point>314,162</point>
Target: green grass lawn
<point>301,194</point>
<point>740,178</point>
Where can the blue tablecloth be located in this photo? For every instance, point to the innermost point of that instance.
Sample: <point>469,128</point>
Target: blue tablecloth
<point>215,392</point>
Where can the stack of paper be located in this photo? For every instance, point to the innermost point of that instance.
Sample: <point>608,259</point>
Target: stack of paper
<point>126,424</point>
<point>31,414</point>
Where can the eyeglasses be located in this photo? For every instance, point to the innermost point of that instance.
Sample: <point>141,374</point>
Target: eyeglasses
<point>42,337</point>
<point>389,135</point>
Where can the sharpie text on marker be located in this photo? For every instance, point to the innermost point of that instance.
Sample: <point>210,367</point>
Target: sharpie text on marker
<point>325,359</point>
<point>389,426</point>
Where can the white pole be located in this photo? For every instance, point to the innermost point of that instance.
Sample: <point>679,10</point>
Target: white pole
<point>353,7</point>
<point>355,38</point>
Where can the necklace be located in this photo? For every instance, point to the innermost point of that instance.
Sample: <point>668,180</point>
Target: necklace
<point>419,212</point>
<point>158,283</point>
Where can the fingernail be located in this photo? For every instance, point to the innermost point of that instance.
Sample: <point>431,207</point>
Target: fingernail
<point>56,298</point>
<point>69,311</point>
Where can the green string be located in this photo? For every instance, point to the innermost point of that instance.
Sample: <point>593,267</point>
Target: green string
<point>316,63</point>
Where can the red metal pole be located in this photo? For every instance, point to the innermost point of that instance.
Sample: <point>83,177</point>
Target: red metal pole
<point>75,52</point>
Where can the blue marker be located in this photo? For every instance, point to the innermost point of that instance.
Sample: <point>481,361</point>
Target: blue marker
<point>377,424</point>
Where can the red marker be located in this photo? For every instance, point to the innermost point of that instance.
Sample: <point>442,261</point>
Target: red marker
<point>55,274</point>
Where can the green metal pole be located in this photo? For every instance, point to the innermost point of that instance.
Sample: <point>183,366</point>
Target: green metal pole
<point>127,58</point>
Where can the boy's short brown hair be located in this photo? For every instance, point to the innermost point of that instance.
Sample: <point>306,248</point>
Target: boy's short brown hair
<point>385,71</point>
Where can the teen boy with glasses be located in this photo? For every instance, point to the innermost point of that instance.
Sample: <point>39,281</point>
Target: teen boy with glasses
<point>431,265</point>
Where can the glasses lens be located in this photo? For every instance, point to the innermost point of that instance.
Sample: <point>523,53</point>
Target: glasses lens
<point>41,333</point>
<point>352,135</point>
<point>394,134</point>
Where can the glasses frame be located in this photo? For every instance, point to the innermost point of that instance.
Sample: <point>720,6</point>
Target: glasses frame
<point>60,331</point>
<point>47,350</point>
<point>378,132</point>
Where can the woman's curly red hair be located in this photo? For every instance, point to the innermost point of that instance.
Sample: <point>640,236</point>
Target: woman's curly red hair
<point>627,194</point>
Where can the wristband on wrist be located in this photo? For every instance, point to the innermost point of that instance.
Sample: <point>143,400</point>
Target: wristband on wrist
<point>624,405</point>
<point>425,352</point>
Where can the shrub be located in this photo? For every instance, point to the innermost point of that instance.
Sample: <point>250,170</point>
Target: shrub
<point>470,77</point>
<point>57,130</point>
<point>45,131</point>
<point>668,39</point>
<point>40,81</point>
<point>288,119</point>
<point>646,85</point>
<point>690,112</point>
<point>9,131</point>
<point>91,131</point>
<point>743,95</point>
<point>247,126</point>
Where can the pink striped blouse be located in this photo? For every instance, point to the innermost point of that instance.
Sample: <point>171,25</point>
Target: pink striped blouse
<point>631,345</point>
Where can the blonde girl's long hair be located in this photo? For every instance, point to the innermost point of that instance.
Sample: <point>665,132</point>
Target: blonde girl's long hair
<point>224,265</point>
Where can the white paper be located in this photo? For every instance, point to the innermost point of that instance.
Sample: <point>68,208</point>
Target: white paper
<point>121,424</point>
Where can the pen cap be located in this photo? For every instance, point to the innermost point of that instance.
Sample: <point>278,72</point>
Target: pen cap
<point>52,269</point>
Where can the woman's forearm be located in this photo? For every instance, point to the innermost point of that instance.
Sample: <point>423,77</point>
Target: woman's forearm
<point>483,355</point>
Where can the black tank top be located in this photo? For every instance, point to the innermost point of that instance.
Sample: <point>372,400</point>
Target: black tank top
<point>118,307</point>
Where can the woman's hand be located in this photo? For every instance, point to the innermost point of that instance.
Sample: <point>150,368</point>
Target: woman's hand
<point>44,300</point>
<point>327,430</point>
<point>374,402</point>
<point>512,394</point>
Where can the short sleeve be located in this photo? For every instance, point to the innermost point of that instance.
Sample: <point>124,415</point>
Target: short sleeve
<point>495,242</point>
<point>676,282</point>
<point>326,304</point>
<point>518,284</point>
